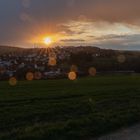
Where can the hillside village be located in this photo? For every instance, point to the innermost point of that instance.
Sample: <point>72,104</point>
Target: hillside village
<point>37,61</point>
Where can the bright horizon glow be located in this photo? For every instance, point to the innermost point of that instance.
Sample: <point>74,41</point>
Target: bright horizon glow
<point>48,40</point>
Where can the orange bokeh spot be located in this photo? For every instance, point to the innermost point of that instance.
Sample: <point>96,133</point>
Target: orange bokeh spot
<point>72,75</point>
<point>12,81</point>
<point>52,61</point>
<point>29,76</point>
<point>2,70</point>
<point>121,58</point>
<point>74,68</point>
<point>92,71</point>
<point>37,75</point>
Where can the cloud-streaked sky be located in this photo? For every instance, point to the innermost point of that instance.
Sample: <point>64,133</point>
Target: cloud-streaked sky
<point>105,23</point>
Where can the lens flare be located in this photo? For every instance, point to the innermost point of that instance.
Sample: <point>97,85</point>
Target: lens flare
<point>29,76</point>
<point>74,68</point>
<point>37,75</point>
<point>48,40</point>
<point>52,61</point>
<point>12,81</point>
<point>121,58</point>
<point>92,71</point>
<point>72,76</point>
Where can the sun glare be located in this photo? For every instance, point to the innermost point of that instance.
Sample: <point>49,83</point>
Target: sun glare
<point>48,40</point>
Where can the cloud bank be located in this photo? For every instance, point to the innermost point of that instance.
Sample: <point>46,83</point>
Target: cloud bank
<point>21,20</point>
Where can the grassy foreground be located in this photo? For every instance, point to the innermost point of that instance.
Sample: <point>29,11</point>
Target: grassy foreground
<point>68,110</point>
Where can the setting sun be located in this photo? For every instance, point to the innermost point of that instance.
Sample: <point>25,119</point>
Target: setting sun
<point>48,40</point>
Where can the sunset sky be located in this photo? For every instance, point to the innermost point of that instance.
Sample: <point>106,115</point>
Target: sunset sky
<point>104,23</point>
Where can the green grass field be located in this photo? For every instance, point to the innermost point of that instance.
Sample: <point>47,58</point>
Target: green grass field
<point>68,110</point>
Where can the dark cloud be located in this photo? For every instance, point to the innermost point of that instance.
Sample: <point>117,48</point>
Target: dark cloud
<point>108,10</point>
<point>73,40</point>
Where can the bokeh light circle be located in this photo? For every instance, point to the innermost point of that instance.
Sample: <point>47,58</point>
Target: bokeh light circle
<point>121,58</point>
<point>12,81</point>
<point>92,71</point>
<point>72,75</point>
<point>74,68</point>
<point>29,76</point>
<point>37,75</point>
<point>52,61</point>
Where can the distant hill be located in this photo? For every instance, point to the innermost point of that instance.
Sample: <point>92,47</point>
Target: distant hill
<point>75,50</point>
<point>9,49</point>
<point>85,57</point>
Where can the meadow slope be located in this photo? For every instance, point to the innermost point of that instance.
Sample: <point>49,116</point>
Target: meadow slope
<point>68,110</point>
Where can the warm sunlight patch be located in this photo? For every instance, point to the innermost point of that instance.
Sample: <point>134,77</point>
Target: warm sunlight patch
<point>48,40</point>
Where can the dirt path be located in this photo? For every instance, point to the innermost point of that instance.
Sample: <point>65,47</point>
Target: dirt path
<point>132,133</point>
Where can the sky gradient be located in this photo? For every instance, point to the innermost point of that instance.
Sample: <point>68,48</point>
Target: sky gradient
<point>111,24</point>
